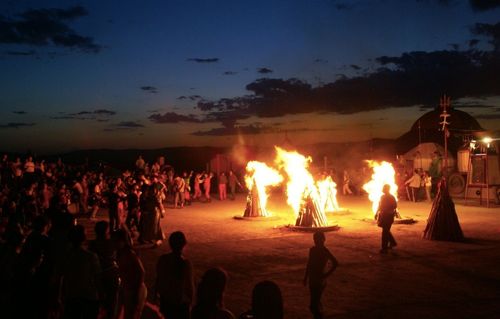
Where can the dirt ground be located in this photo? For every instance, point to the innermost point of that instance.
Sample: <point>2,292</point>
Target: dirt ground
<point>419,279</point>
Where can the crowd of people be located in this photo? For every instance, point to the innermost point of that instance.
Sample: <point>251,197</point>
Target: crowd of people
<point>48,262</point>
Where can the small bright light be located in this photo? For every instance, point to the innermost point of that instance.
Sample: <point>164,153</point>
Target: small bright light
<point>487,140</point>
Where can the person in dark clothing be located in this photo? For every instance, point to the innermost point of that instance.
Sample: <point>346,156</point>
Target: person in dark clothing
<point>233,181</point>
<point>150,229</point>
<point>81,279</point>
<point>133,200</point>
<point>267,302</point>
<point>385,217</point>
<point>174,280</point>
<point>210,296</point>
<point>115,203</point>
<point>133,291</point>
<point>105,249</point>
<point>315,273</point>
<point>35,264</point>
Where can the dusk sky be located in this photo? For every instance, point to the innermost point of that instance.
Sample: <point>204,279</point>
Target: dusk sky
<point>150,74</point>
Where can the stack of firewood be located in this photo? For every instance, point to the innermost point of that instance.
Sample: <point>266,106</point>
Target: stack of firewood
<point>310,214</point>
<point>443,223</point>
<point>253,208</point>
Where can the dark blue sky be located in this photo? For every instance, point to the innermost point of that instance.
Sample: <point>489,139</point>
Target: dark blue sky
<point>89,74</point>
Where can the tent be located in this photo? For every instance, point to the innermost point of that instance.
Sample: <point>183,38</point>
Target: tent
<point>421,156</point>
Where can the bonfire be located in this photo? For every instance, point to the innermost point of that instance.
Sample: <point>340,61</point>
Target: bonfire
<point>383,173</point>
<point>258,179</point>
<point>301,189</point>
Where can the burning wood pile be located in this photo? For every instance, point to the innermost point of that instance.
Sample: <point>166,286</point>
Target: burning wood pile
<point>308,198</point>
<point>301,189</point>
<point>258,178</point>
<point>443,223</point>
<point>383,173</point>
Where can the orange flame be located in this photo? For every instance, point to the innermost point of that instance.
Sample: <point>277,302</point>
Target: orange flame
<point>328,194</point>
<point>263,176</point>
<point>301,184</point>
<point>383,173</point>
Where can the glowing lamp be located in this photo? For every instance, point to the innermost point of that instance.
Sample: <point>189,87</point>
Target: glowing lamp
<point>487,140</point>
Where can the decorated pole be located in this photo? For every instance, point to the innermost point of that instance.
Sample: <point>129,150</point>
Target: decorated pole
<point>443,223</point>
<point>445,105</point>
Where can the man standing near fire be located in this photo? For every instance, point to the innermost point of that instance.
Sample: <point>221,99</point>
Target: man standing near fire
<point>385,217</point>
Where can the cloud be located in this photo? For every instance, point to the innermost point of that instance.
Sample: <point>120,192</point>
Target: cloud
<point>473,42</point>
<point>491,31</point>
<point>149,88</point>
<point>172,117</point>
<point>344,5</point>
<point>203,60</point>
<point>355,67</point>
<point>65,117</point>
<point>15,125</point>
<point>19,112</point>
<point>85,115</point>
<point>43,27</point>
<point>484,5</point>
<point>412,79</point>
<point>20,53</point>
<point>104,112</point>
<point>230,73</point>
<point>129,124</point>
<point>264,70</point>
<point>182,97</point>
<point>320,60</point>
<point>123,126</point>
<point>96,112</point>
<point>253,129</point>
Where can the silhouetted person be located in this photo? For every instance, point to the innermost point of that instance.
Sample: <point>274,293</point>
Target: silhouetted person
<point>81,277</point>
<point>315,273</point>
<point>10,290</point>
<point>174,280</point>
<point>233,181</point>
<point>267,302</point>
<point>36,263</point>
<point>385,217</point>
<point>133,207</point>
<point>210,296</point>
<point>105,249</point>
<point>133,291</point>
<point>150,230</point>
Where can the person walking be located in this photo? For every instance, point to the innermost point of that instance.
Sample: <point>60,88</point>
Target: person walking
<point>385,217</point>
<point>315,273</point>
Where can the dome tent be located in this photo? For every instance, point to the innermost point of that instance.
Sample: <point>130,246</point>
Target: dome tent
<point>427,129</point>
<point>421,156</point>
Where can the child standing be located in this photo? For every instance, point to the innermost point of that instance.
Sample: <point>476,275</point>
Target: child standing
<point>315,273</point>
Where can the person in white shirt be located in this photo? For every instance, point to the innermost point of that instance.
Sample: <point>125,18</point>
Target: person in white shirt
<point>414,184</point>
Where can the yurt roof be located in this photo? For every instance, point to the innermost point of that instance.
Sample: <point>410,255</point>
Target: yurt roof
<point>459,121</point>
